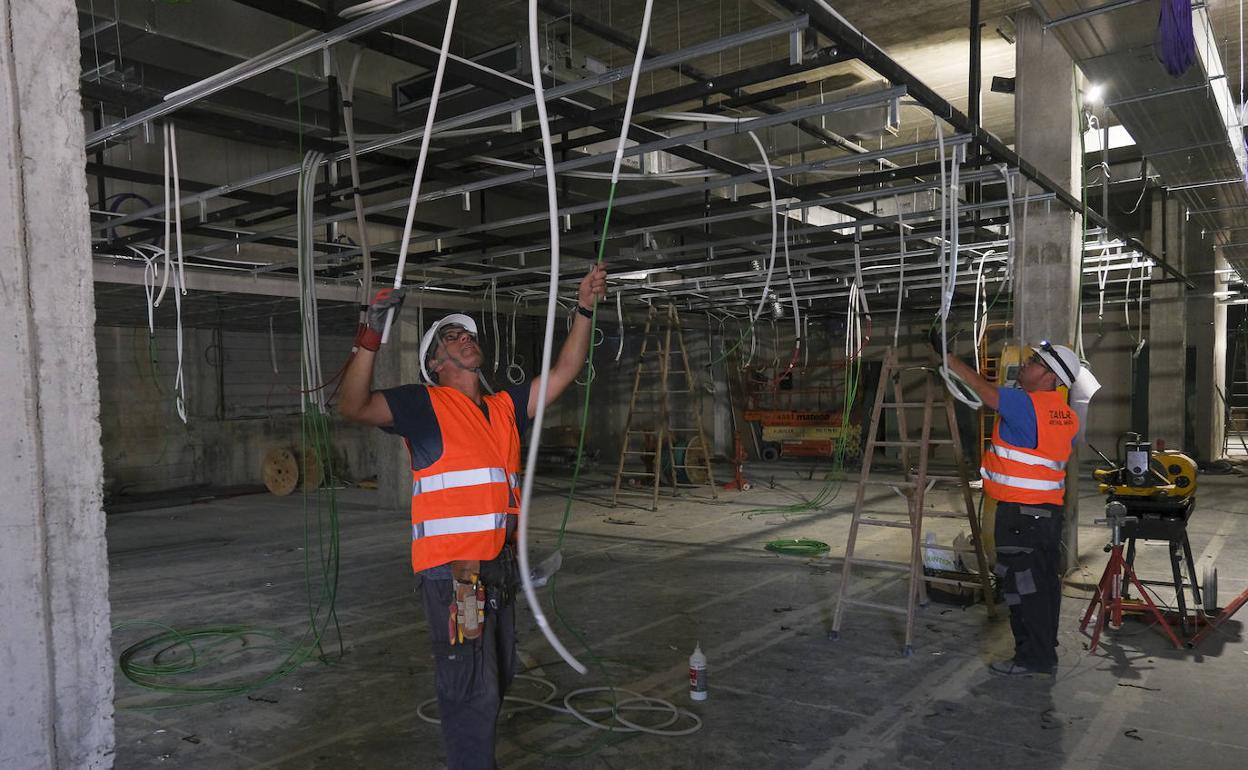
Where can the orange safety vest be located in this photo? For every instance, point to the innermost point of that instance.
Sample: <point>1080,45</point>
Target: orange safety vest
<point>461,502</point>
<point>1033,475</point>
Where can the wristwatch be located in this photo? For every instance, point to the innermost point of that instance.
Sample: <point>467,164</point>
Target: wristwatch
<point>585,311</point>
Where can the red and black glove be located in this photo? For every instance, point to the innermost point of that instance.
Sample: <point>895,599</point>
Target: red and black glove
<point>369,334</point>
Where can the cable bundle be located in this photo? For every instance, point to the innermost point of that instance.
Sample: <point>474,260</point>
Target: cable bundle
<point>311,372</point>
<point>1175,43</point>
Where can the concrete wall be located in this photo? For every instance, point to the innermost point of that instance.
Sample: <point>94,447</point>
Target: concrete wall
<point>56,675</point>
<point>237,406</point>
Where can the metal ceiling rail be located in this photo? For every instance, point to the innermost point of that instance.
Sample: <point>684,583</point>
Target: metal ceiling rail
<point>701,219</point>
<point>287,53</point>
<point>861,196</point>
<point>851,41</point>
<point>797,23</point>
<point>744,126</point>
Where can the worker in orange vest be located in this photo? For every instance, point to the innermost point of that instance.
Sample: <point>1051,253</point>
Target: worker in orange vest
<point>1025,471</point>
<point>465,450</point>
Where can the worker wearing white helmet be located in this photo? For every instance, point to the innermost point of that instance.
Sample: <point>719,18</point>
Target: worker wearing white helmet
<point>1025,471</point>
<point>465,449</point>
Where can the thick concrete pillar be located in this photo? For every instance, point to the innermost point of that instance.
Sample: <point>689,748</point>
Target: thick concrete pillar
<point>398,363</point>
<point>56,668</point>
<point>1046,124</point>
<point>1206,332</point>
<point>1047,136</point>
<point>1167,329</point>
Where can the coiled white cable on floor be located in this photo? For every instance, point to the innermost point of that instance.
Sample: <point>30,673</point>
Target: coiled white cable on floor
<point>425,140</point>
<point>582,714</point>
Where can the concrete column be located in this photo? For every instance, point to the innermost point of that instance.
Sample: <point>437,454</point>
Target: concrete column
<point>1167,329</point>
<point>398,363</point>
<point>56,667</point>
<point>1050,252</point>
<point>1206,331</point>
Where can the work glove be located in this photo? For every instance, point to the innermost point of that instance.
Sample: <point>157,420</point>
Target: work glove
<point>369,335</point>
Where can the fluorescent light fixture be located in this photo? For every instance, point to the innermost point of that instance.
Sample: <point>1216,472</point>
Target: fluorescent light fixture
<point>638,275</point>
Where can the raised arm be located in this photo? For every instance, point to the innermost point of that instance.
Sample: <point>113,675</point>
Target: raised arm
<point>572,355</point>
<point>986,390</point>
<point>357,401</point>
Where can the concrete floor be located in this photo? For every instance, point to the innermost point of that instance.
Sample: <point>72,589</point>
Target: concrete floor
<point>643,587</point>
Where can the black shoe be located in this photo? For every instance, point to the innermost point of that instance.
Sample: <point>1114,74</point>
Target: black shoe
<point>1016,669</point>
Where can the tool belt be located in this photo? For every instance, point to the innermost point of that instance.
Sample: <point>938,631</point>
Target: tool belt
<point>476,585</point>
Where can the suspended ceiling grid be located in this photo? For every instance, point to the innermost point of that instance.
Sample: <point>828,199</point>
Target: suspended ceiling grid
<point>820,250</point>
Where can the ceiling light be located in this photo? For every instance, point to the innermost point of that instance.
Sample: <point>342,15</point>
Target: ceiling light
<point>1093,94</point>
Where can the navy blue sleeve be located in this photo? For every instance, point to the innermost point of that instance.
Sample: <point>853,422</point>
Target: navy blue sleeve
<point>520,398</point>
<point>416,422</point>
<point>1018,418</point>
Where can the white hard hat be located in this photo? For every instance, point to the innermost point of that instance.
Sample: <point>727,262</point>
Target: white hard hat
<point>1061,360</point>
<point>454,319</point>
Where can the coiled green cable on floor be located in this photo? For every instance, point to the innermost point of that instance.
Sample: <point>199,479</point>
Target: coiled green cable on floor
<point>801,546</point>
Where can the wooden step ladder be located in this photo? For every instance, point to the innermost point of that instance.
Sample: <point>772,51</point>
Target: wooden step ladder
<point>914,489</point>
<point>658,424</point>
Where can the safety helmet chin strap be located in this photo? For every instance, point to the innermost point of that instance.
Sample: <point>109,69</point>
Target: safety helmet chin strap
<point>445,355</point>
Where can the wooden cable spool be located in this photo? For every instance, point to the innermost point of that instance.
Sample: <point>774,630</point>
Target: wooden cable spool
<point>282,470</point>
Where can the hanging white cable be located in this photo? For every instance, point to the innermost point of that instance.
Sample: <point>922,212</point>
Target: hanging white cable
<point>980,307</point>
<point>348,120</point>
<point>420,160</point>
<point>515,372</point>
<point>165,244</point>
<point>632,90</point>
<point>901,284</point>
<point>771,260</point>
<point>949,267</point>
<point>497,341</point>
<point>179,380</point>
<point>177,207</point>
<point>1102,278</point>
<point>619,316</point>
<point>797,311</point>
<point>526,494</point>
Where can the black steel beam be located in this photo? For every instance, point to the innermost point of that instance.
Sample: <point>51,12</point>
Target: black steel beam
<point>854,43</point>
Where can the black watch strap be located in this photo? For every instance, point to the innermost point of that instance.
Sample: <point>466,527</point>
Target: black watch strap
<point>584,311</point>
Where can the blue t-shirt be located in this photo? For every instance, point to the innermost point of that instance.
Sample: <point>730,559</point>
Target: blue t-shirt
<point>1018,418</point>
<point>415,420</point>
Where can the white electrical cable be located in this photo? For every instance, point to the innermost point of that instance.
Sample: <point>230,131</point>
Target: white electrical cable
<point>272,346</point>
<point>632,90</point>
<point>515,372</point>
<point>948,262</point>
<point>497,340</point>
<point>177,206</point>
<point>526,495</point>
<point>164,284</point>
<point>348,119</point>
<point>582,714</point>
<point>619,316</point>
<point>901,284</point>
<point>771,260</point>
<point>424,153</point>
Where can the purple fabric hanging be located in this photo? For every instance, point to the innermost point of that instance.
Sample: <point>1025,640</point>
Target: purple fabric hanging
<point>1176,42</point>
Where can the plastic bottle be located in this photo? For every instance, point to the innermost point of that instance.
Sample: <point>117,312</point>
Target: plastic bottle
<point>697,674</point>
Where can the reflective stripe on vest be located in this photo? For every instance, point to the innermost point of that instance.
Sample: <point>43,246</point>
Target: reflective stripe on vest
<point>1021,483</point>
<point>1026,458</point>
<point>460,525</point>
<point>468,478</point>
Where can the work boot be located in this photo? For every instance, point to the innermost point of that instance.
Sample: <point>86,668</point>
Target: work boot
<point>1016,668</point>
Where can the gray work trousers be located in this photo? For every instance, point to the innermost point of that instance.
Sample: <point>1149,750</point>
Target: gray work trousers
<point>470,678</point>
<point>1029,541</point>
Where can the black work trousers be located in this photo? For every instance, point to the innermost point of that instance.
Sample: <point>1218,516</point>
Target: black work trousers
<point>1029,541</point>
<point>470,678</point>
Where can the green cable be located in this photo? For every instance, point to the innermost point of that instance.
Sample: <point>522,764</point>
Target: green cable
<point>801,546</point>
<point>221,643</point>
